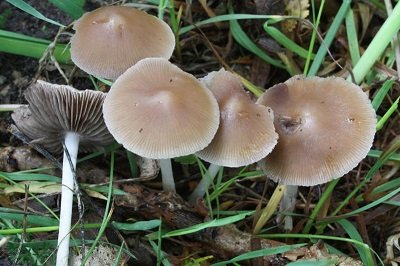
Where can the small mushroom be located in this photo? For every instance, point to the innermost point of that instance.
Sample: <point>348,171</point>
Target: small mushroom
<point>109,40</point>
<point>326,126</point>
<point>246,133</point>
<point>158,111</point>
<point>57,114</point>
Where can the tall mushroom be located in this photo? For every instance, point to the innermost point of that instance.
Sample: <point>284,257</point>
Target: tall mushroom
<point>56,114</point>
<point>108,40</point>
<point>326,126</point>
<point>246,132</point>
<point>158,111</point>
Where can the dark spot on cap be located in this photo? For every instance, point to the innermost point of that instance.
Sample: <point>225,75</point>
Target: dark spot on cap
<point>289,125</point>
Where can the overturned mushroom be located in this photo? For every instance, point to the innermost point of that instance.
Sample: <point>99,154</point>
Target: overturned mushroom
<point>57,114</point>
<point>158,111</point>
<point>246,132</point>
<point>326,126</point>
<point>110,39</point>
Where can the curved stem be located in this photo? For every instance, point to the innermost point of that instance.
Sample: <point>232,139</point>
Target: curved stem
<point>205,183</point>
<point>67,194</point>
<point>167,175</point>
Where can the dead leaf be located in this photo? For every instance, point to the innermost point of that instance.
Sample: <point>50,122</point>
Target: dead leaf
<point>35,187</point>
<point>295,8</point>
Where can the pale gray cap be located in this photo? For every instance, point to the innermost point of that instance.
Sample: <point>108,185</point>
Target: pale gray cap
<point>109,40</point>
<point>158,111</point>
<point>54,110</point>
<point>246,133</point>
<point>326,126</point>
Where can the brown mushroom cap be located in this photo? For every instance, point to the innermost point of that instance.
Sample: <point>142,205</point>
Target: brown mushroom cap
<point>54,110</point>
<point>246,133</point>
<point>110,39</point>
<point>326,126</point>
<point>158,111</point>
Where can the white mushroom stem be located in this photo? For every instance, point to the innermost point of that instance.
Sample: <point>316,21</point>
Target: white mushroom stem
<point>288,204</point>
<point>167,175</point>
<point>67,193</point>
<point>205,183</point>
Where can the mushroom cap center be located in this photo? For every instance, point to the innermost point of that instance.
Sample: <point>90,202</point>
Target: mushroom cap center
<point>165,97</point>
<point>113,23</point>
<point>233,108</point>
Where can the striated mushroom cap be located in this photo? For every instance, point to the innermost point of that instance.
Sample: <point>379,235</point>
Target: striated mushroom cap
<point>326,126</point>
<point>54,110</point>
<point>158,111</point>
<point>246,133</point>
<point>110,39</point>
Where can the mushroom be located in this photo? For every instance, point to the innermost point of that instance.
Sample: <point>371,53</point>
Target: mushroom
<point>326,126</point>
<point>109,40</point>
<point>246,133</point>
<point>56,114</point>
<point>158,111</point>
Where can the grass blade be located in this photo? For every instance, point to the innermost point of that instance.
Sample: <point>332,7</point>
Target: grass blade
<point>382,92</point>
<point>395,157</point>
<point>241,37</point>
<point>260,253</point>
<point>387,115</point>
<point>30,177</point>
<point>314,34</point>
<point>285,41</point>
<point>365,255</point>
<point>330,36</point>
<point>325,196</point>
<point>20,44</point>
<point>271,207</point>
<point>314,262</point>
<point>74,8</point>
<point>352,38</point>
<point>212,223</point>
<point>377,45</point>
<point>382,159</point>
<point>32,11</point>
<point>228,17</point>
<point>36,220</point>
<point>107,212</point>
<point>138,226</point>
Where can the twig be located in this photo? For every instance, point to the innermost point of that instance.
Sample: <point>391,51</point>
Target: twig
<point>395,41</point>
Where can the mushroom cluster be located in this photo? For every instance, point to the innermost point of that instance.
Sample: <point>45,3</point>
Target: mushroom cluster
<point>107,41</point>
<point>305,131</point>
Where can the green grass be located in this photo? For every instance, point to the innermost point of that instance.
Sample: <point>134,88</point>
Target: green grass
<point>312,56</point>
